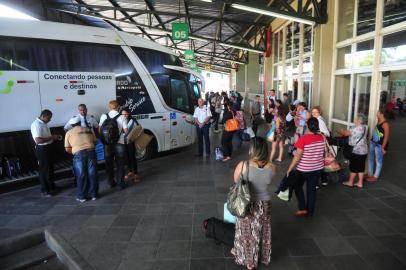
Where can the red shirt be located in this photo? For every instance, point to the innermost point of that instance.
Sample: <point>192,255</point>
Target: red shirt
<point>313,146</point>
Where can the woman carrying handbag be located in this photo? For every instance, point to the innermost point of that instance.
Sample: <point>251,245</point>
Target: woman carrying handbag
<point>252,242</point>
<point>230,127</point>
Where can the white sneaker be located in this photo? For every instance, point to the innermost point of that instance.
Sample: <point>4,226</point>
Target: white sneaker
<point>81,200</point>
<point>284,195</point>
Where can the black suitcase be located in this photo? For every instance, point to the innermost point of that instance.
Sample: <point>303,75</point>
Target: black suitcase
<point>11,166</point>
<point>220,231</point>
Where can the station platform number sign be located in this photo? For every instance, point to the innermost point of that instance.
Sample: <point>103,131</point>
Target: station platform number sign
<point>180,31</point>
<point>189,55</point>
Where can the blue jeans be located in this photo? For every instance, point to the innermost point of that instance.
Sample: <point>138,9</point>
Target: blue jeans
<point>85,167</point>
<point>238,137</point>
<point>203,133</point>
<point>311,179</point>
<point>375,155</point>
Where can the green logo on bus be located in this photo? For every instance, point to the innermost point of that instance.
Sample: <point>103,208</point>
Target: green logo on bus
<point>8,85</point>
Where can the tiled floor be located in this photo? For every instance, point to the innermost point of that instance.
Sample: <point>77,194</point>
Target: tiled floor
<point>157,224</point>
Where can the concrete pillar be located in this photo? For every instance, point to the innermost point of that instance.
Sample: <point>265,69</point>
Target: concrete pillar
<point>322,62</point>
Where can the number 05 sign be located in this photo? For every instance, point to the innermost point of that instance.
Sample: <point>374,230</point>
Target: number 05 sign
<point>180,31</point>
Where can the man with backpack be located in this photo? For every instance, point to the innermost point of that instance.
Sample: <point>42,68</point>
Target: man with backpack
<point>113,127</point>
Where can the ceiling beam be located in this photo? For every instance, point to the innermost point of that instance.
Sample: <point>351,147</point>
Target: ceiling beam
<point>228,44</point>
<point>154,12</point>
<point>114,3</point>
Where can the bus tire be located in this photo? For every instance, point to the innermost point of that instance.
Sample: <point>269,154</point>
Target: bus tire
<point>149,152</point>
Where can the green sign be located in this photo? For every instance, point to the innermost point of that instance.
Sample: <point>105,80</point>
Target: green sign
<point>180,31</point>
<point>399,83</point>
<point>189,55</point>
<point>193,64</point>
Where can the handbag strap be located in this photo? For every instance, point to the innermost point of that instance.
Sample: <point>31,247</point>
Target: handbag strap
<point>328,147</point>
<point>242,169</point>
<point>363,134</point>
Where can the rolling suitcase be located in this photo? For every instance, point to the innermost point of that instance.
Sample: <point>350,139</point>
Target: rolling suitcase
<point>220,231</point>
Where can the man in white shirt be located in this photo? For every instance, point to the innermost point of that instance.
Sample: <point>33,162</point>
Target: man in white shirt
<point>272,95</point>
<point>43,139</point>
<point>202,117</point>
<point>115,152</point>
<point>86,120</point>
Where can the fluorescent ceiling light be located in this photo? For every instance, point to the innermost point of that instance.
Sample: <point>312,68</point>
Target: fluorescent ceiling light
<point>207,1</point>
<point>8,12</point>
<point>204,63</point>
<point>240,47</point>
<point>272,14</point>
<point>220,58</point>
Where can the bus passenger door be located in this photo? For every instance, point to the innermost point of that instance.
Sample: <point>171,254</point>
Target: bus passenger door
<point>181,130</point>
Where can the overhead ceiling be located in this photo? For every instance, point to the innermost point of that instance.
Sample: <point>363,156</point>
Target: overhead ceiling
<point>216,28</point>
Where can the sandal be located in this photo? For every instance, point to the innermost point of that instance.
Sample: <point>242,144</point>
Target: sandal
<point>348,185</point>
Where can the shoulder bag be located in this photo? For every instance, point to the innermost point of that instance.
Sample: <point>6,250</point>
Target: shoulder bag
<point>239,196</point>
<point>231,124</point>
<point>349,148</point>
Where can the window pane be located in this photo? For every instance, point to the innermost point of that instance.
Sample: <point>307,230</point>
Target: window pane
<point>366,16</point>
<point>345,19</point>
<point>275,71</point>
<point>394,48</point>
<point>364,55</point>
<point>275,48</point>
<point>307,66</point>
<point>344,59</point>
<point>289,41</point>
<point>337,126</point>
<point>363,86</point>
<point>394,12</point>
<point>307,42</point>
<point>50,55</point>
<point>154,61</point>
<point>296,38</point>
<point>280,45</point>
<point>307,91</point>
<point>341,97</point>
<point>162,81</point>
<point>295,69</point>
<point>179,96</point>
<point>6,55</point>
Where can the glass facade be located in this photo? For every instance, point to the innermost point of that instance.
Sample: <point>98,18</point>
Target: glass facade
<point>394,48</point>
<point>367,50</point>
<point>293,64</point>
<point>342,97</point>
<point>345,19</point>
<point>394,12</point>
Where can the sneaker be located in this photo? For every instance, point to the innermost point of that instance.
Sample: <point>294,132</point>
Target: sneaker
<point>371,178</point>
<point>81,200</point>
<point>317,187</point>
<point>46,195</point>
<point>284,195</point>
<point>324,184</point>
<point>94,198</point>
<point>301,213</point>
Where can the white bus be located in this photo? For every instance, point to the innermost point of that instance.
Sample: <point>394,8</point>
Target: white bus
<point>56,66</point>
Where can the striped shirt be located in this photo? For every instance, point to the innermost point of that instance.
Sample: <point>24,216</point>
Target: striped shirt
<point>313,146</point>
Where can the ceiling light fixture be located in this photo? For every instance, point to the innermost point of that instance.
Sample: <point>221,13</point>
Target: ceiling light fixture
<point>240,47</point>
<point>205,63</point>
<point>272,14</point>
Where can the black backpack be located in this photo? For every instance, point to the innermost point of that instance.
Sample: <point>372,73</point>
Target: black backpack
<point>109,132</point>
<point>220,231</point>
